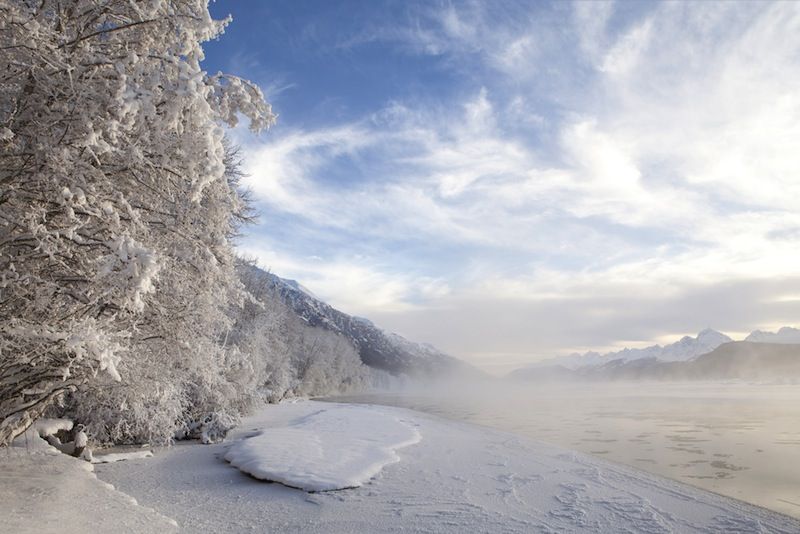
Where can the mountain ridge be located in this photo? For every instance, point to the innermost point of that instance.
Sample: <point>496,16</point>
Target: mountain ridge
<point>785,334</point>
<point>684,349</point>
<point>377,348</point>
<point>736,360</point>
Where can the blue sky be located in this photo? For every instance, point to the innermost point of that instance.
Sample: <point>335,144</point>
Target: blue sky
<point>514,180</point>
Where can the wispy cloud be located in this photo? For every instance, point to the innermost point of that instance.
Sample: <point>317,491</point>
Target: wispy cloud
<point>591,152</point>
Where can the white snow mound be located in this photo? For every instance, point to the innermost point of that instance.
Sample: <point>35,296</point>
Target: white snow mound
<point>57,494</point>
<point>339,447</point>
<point>49,427</point>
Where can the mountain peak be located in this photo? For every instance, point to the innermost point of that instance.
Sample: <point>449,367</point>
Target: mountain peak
<point>709,334</point>
<point>706,332</point>
<point>685,349</point>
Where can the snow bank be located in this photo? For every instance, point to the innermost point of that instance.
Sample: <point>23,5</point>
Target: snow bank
<point>41,437</point>
<point>49,427</point>
<point>329,449</point>
<point>31,441</point>
<point>43,493</point>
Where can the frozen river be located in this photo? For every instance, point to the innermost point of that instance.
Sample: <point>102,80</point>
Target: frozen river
<point>738,440</point>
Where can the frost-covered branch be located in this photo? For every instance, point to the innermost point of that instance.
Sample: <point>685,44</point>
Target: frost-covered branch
<point>111,145</point>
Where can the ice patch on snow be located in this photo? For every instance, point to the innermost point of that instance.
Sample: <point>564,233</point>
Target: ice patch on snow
<point>333,448</point>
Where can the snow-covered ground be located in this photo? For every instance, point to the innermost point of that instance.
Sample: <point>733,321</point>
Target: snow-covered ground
<point>457,478</point>
<point>326,449</point>
<point>46,492</point>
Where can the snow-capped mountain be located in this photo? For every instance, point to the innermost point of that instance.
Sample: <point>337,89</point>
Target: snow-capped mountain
<point>377,348</point>
<point>737,360</point>
<point>685,349</point>
<point>786,335</point>
<point>690,347</point>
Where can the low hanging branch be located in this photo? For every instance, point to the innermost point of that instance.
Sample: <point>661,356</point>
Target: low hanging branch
<point>106,31</point>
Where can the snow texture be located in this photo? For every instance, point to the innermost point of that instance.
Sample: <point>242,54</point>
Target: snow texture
<point>81,439</point>
<point>54,493</point>
<point>48,427</point>
<point>120,456</point>
<point>459,478</point>
<point>329,449</point>
<point>32,441</point>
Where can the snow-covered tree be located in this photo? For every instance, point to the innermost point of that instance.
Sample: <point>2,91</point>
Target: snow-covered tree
<point>260,331</point>
<point>325,363</point>
<point>288,356</point>
<point>115,210</point>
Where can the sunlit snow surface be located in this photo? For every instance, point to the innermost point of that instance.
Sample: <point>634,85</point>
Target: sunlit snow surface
<point>43,491</point>
<point>458,478</point>
<point>328,449</point>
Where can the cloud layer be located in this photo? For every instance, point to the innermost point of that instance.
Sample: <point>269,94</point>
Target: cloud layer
<point>586,176</point>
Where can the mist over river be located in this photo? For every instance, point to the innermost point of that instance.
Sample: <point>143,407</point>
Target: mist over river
<point>738,440</point>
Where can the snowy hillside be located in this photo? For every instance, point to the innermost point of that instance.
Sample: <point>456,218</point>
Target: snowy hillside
<point>377,348</point>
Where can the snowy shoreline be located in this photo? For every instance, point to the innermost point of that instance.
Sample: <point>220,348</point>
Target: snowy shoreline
<point>458,477</point>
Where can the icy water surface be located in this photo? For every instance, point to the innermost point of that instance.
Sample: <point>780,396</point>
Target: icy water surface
<point>734,439</point>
